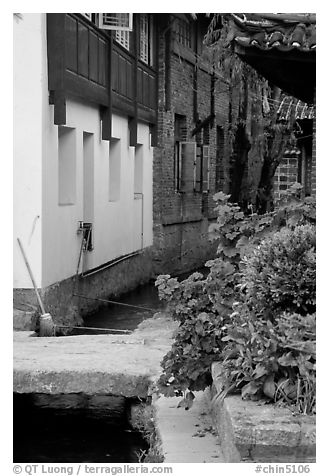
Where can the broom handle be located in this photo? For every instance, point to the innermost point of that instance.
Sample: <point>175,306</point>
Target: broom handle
<point>31,276</point>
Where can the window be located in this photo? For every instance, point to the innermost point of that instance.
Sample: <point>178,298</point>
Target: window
<point>201,169</point>
<point>114,170</point>
<point>145,41</point>
<point>205,168</point>
<point>219,176</point>
<point>123,38</point>
<point>116,21</point>
<point>122,23</point>
<point>66,165</point>
<point>180,135</point>
<point>186,166</point>
<point>191,164</point>
<point>182,31</point>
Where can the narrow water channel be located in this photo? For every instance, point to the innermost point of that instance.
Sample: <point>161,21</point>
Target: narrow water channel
<point>118,316</point>
<point>74,428</point>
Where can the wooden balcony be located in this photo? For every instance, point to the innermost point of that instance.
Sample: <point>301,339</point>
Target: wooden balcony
<point>85,62</point>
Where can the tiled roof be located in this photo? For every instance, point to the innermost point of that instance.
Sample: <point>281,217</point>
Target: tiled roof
<point>284,32</point>
<point>280,46</point>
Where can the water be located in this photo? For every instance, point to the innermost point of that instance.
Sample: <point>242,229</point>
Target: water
<point>74,428</point>
<point>114,316</point>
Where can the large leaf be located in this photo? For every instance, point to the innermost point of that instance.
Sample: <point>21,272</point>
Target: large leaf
<point>250,389</point>
<point>259,371</point>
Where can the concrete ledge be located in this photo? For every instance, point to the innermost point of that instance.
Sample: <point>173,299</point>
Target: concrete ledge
<point>252,431</point>
<point>123,365</point>
<point>87,382</point>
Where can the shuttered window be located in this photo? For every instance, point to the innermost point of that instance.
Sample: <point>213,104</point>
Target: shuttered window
<point>219,179</point>
<point>183,32</point>
<point>205,168</point>
<point>145,41</point>
<point>121,23</point>
<point>116,21</point>
<point>187,153</point>
<point>123,38</point>
<point>198,169</point>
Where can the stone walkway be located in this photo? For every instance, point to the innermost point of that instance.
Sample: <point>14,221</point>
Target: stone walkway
<point>122,365</point>
<point>187,436</point>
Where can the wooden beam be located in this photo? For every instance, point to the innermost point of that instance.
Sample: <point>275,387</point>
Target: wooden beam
<point>56,64</point>
<point>107,112</point>
<point>133,122</point>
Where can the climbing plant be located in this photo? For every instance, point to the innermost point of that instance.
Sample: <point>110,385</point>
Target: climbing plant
<point>257,139</point>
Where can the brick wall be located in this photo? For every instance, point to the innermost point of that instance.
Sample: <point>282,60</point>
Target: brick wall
<point>286,173</point>
<point>181,220</point>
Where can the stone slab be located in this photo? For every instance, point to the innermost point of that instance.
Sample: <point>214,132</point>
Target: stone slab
<point>116,364</point>
<point>254,431</point>
<point>187,436</point>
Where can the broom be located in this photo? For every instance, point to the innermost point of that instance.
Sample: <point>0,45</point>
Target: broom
<point>47,326</point>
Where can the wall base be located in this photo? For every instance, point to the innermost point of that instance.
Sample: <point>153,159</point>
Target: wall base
<point>182,247</point>
<point>65,308</point>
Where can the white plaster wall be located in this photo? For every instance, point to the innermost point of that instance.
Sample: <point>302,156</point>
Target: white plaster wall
<point>47,229</point>
<point>115,233</point>
<point>29,92</point>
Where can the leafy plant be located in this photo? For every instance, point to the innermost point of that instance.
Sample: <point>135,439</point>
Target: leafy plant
<point>201,305</point>
<point>273,360</point>
<point>238,233</point>
<point>267,278</point>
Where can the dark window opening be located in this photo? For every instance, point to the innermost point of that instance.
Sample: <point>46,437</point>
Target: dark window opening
<point>219,173</point>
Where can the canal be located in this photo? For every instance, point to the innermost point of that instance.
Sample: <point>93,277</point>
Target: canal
<point>122,316</point>
<point>86,428</point>
<point>74,428</point>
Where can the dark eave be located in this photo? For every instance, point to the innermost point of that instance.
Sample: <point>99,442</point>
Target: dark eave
<point>281,47</point>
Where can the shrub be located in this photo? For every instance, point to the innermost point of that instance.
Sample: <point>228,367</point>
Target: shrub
<point>270,341</point>
<point>279,275</point>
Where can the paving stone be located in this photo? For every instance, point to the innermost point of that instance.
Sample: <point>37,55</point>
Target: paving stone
<point>187,435</point>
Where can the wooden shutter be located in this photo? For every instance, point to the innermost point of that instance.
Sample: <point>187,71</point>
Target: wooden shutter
<point>187,153</point>
<point>122,37</point>
<point>198,169</point>
<point>205,168</point>
<point>144,38</point>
